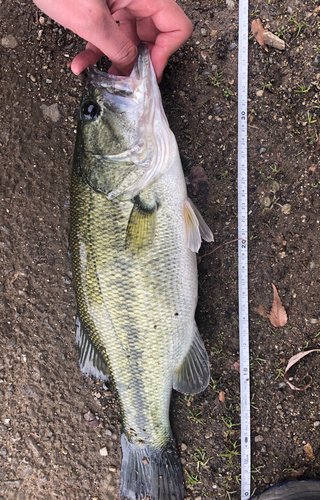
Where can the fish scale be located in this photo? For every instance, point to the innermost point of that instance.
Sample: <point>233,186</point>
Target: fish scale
<point>134,234</point>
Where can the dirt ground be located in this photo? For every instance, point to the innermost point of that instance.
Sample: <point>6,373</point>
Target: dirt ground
<point>56,426</point>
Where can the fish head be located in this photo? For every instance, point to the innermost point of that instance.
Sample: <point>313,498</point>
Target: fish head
<point>123,137</point>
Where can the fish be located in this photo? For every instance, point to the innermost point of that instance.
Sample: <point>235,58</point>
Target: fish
<point>134,235</point>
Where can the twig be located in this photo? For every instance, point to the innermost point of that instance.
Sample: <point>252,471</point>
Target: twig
<point>226,243</point>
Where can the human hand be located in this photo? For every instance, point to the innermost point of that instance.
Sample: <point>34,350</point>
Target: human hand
<point>160,24</point>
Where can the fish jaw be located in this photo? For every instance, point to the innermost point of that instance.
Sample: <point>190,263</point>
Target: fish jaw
<point>128,132</point>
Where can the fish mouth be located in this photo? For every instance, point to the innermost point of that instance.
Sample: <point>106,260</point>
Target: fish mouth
<point>124,86</point>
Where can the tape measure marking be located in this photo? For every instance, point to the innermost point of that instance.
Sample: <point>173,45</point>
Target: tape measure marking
<point>243,251</point>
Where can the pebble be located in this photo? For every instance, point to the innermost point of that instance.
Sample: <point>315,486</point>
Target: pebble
<point>262,150</point>
<point>42,20</point>
<point>104,452</point>
<point>232,46</point>
<point>183,447</point>
<point>9,42</point>
<point>208,435</point>
<point>316,424</point>
<point>290,10</point>
<point>286,209</point>
<point>217,110</point>
<point>52,112</point>
<point>203,32</point>
<point>258,439</point>
<point>263,449</point>
<point>108,432</point>
<point>259,93</point>
<point>316,60</point>
<point>112,468</point>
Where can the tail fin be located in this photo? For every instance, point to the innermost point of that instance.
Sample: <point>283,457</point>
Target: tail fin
<point>150,472</point>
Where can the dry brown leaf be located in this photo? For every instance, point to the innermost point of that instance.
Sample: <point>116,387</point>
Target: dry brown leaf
<point>258,32</point>
<point>299,472</point>
<point>293,361</point>
<point>278,315</point>
<point>236,366</point>
<point>222,397</point>
<point>309,451</point>
<point>199,182</point>
<point>273,40</point>
<point>261,310</point>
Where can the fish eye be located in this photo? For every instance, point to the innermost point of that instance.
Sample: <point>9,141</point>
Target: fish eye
<point>91,110</point>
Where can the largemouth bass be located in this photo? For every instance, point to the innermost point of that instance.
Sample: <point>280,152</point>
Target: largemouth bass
<point>134,234</point>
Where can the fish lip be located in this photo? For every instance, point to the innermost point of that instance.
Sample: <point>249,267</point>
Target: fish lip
<point>121,85</point>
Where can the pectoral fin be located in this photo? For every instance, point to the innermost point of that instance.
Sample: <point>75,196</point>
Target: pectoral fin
<point>193,375</point>
<point>195,226</point>
<point>91,362</point>
<point>141,225</point>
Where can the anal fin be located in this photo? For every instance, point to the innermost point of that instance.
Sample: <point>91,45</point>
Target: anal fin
<point>91,362</point>
<point>193,375</point>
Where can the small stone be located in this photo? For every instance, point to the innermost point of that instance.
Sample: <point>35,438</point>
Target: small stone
<point>213,68</point>
<point>259,93</point>
<point>104,452</point>
<point>42,20</point>
<point>263,449</point>
<point>213,32</point>
<point>48,80</point>
<point>52,112</point>
<point>217,110</point>
<point>286,209</point>
<point>258,439</point>
<point>314,321</point>
<point>112,468</point>
<point>9,42</point>
<point>203,32</point>
<point>33,78</point>
<point>7,421</point>
<point>232,46</point>
<point>289,10</point>
<point>316,60</point>
<point>316,424</point>
<point>108,432</point>
<point>183,447</point>
<point>265,201</point>
<point>208,435</point>
<point>262,150</point>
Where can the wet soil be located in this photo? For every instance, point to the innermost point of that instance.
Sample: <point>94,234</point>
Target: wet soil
<point>56,426</point>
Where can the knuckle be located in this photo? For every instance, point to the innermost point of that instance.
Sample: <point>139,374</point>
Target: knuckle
<point>126,54</point>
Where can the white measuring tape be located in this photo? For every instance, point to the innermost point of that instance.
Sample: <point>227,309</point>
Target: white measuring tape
<point>243,251</point>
